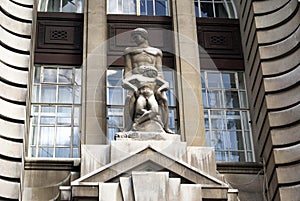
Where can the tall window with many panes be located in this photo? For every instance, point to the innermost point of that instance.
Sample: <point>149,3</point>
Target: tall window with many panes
<point>55,112</point>
<point>215,8</point>
<point>73,6</point>
<point>226,113</point>
<point>116,98</point>
<point>139,7</point>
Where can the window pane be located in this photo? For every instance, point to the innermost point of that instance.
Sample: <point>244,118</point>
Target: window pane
<point>204,97</point>
<point>64,115</point>
<point>34,135</point>
<point>76,136</point>
<point>217,119</point>
<point>62,152</point>
<point>161,7</point>
<point>196,8</point>
<point>221,156</point>
<point>236,156</point>
<point>221,10</point>
<point>112,6</point>
<point>48,94</point>
<point>143,7</point>
<point>37,75</point>
<point>213,80</point>
<point>248,140</point>
<point>129,7</point>
<point>241,80</point>
<point>207,10</point>
<point>114,77</point>
<point>233,120</point>
<point>232,99</point>
<point>220,140</point>
<point>236,140</point>
<point>245,120</point>
<point>50,75</point>
<point>149,7</point>
<point>36,93</point>
<point>77,94</point>
<point>229,80</point>
<point>45,152</point>
<point>171,98</point>
<point>46,135</point>
<point>250,156</point>
<point>33,151</point>
<point>65,94</point>
<point>75,153</point>
<point>53,6</point>
<point>63,136</point>
<point>76,116</point>
<point>243,99</point>
<point>215,99</point>
<point>206,119</point>
<point>65,75</point>
<point>77,77</point>
<point>115,117</point>
<point>172,119</point>
<point>69,6</point>
<point>168,76</point>
<point>115,96</point>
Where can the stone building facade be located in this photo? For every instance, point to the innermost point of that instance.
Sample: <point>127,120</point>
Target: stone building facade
<point>69,49</point>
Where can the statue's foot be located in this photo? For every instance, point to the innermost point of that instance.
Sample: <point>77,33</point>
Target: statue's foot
<point>167,130</point>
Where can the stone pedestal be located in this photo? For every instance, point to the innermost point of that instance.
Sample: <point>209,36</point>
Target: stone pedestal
<point>139,169</point>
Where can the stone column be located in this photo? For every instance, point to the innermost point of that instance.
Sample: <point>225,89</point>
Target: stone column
<point>188,68</point>
<point>94,68</point>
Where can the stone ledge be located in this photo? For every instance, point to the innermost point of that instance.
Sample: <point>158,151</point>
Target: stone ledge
<point>144,136</point>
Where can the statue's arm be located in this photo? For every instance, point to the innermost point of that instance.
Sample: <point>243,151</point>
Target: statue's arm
<point>128,63</point>
<point>158,65</point>
<point>164,85</point>
<point>127,85</point>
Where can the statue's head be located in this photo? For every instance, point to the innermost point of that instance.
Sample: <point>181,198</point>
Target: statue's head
<point>140,31</point>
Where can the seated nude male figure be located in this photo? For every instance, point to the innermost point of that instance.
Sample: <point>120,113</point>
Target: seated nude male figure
<point>145,61</point>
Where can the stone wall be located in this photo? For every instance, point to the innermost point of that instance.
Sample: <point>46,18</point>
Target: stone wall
<point>270,37</point>
<point>15,33</point>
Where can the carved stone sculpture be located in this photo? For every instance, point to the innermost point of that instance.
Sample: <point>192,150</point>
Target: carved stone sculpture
<point>146,106</point>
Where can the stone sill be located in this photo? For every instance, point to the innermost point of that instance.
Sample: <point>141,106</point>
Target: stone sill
<point>72,164</point>
<point>239,168</point>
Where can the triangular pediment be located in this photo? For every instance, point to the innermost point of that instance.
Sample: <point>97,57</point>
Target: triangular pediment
<point>149,159</point>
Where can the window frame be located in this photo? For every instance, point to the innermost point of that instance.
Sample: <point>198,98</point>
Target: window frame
<point>231,11</point>
<point>72,121</point>
<point>245,126</point>
<point>138,4</point>
<point>79,8</point>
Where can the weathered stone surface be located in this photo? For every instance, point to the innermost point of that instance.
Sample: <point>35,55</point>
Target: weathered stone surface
<point>150,186</point>
<point>126,188</point>
<point>121,149</point>
<point>191,192</point>
<point>109,191</point>
<point>202,158</point>
<point>93,157</point>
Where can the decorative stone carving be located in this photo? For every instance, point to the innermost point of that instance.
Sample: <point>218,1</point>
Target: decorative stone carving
<point>146,107</point>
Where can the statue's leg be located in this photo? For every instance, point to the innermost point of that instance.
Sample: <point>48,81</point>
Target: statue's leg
<point>153,102</point>
<point>164,101</point>
<point>140,106</point>
<point>129,111</point>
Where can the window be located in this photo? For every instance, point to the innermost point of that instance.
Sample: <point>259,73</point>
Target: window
<point>226,115</point>
<point>138,7</point>
<point>215,8</point>
<point>116,98</point>
<point>73,6</point>
<point>55,112</point>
